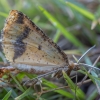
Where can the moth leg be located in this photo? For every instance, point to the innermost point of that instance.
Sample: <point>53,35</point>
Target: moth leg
<point>59,73</point>
<point>38,88</point>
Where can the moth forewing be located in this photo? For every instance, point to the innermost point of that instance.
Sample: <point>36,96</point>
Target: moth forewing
<point>26,46</point>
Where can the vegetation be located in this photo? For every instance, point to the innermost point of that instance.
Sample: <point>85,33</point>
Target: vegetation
<point>74,26</point>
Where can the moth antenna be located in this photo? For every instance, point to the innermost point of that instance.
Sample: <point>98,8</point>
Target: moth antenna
<point>86,65</point>
<point>85,53</point>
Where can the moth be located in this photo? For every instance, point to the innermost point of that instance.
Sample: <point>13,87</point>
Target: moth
<point>27,48</point>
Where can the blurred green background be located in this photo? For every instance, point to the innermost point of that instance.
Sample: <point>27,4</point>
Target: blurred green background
<point>74,26</point>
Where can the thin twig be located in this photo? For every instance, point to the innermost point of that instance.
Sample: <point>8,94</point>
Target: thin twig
<point>91,69</point>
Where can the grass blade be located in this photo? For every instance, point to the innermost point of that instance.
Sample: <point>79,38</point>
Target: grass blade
<point>82,11</point>
<point>67,34</point>
<point>26,93</point>
<point>20,86</point>
<point>3,14</point>
<point>7,95</point>
<point>60,91</point>
<point>79,92</point>
<point>57,36</point>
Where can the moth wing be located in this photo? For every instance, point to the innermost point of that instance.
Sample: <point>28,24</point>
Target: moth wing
<point>24,43</point>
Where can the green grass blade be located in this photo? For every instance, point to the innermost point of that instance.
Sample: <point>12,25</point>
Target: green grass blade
<point>62,92</point>
<point>82,11</point>
<point>94,74</point>
<point>7,95</point>
<point>79,92</point>
<point>57,36</point>
<point>3,14</point>
<point>85,72</point>
<point>67,34</point>
<point>26,93</point>
<point>13,94</point>
<point>20,86</point>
